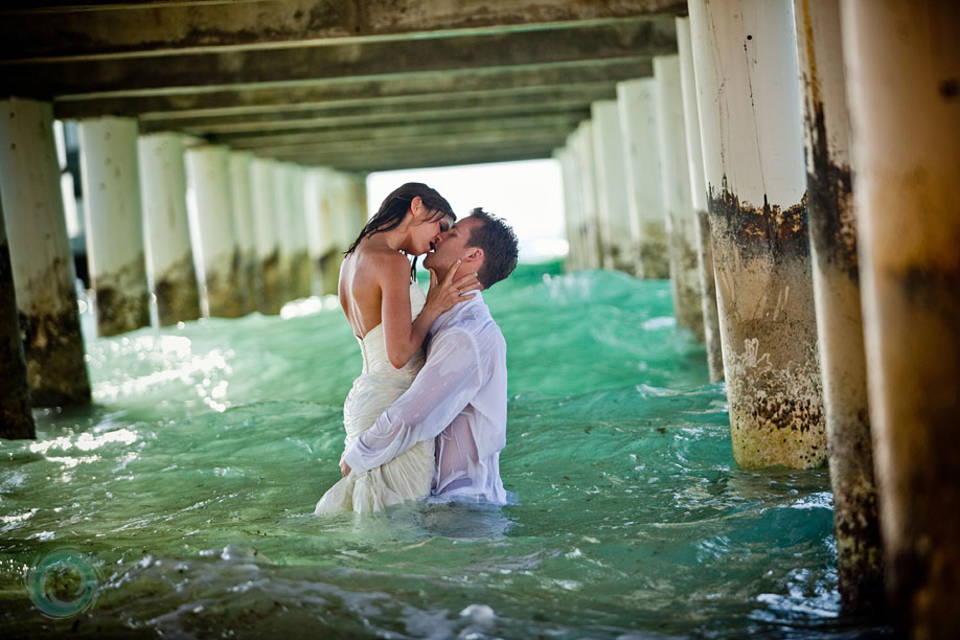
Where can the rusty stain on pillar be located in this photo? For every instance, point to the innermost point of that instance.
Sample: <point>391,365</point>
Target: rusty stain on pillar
<point>833,239</point>
<point>40,256</point>
<point>903,84</point>
<point>677,201</point>
<point>753,158</point>
<point>16,421</point>
<point>109,172</point>
<point>698,193</point>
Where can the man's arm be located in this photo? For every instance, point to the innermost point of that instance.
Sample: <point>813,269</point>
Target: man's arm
<point>445,385</point>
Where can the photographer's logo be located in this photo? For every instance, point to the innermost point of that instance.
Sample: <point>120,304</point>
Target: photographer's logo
<point>63,583</point>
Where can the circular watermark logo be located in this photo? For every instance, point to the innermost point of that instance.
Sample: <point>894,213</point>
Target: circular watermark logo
<point>63,583</point>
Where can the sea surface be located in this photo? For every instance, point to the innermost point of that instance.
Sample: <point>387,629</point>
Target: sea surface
<point>180,503</point>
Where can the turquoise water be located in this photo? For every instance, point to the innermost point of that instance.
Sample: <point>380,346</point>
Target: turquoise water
<point>188,490</point>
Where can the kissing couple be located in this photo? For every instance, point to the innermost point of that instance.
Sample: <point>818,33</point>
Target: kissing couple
<point>428,413</point>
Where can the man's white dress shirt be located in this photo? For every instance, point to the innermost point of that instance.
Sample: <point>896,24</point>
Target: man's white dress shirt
<point>459,397</point>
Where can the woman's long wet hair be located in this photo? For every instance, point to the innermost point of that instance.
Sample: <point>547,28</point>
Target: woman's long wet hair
<point>395,207</point>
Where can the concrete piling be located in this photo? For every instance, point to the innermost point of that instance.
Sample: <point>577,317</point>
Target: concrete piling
<point>163,187</point>
<point>241,198</point>
<point>214,240</point>
<point>16,421</point>
<point>619,230</point>
<point>698,193</point>
<point>836,280</point>
<point>43,272</point>
<point>638,120</point>
<point>753,157</point>
<point>677,201</point>
<point>903,65</point>
<point>266,237</point>
<point>301,272</point>
<point>571,208</point>
<point>109,173</point>
<point>586,165</point>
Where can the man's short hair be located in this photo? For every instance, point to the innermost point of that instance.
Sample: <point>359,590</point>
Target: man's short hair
<point>499,244</point>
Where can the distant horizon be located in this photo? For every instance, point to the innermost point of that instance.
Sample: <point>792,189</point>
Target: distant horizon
<point>527,194</point>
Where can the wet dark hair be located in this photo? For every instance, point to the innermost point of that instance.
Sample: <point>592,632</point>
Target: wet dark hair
<point>499,244</point>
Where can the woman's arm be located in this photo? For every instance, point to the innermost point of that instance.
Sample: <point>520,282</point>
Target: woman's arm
<point>403,337</point>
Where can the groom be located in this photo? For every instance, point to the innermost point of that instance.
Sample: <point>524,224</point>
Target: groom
<point>460,395</point>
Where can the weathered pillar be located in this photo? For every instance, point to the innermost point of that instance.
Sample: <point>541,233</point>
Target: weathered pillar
<point>16,421</point>
<point>677,202</point>
<point>116,256</point>
<point>836,280</point>
<point>753,156</point>
<point>571,208</point>
<point>317,236</point>
<point>619,230</point>
<point>903,82</point>
<point>266,236</point>
<point>328,249</point>
<point>638,119</point>
<point>208,176</point>
<point>698,193</point>
<point>300,258</point>
<point>43,274</point>
<point>358,190</point>
<point>243,227</point>
<point>283,210</point>
<point>586,163</point>
<point>163,186</point>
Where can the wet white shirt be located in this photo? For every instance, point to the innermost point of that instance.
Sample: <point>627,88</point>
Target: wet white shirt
<point>459,397</point>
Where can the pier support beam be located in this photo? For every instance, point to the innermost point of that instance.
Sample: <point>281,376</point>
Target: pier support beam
<point>836,280</point>
<point>114,223</point>
<point>248,274</point>
<point>903,66</point>
<point>317,242</point>
<point>208,174</point>
<point>163,186</point>
<point>583,150</point>
<point>571,208</point>
<point>638,119</point>
<point>677,203</point>
<point>698,193</point>
<point>619,231</point>
<point>266,236</point>
<point>16,421</point>
<point>283,208</point>
<point>43,272</point>
<point>300,256</point>
<point>753,156</point>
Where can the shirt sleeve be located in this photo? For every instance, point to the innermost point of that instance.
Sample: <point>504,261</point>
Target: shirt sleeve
<point>444,386</point>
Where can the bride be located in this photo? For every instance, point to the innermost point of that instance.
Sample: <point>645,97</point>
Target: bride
<point>390,318</point>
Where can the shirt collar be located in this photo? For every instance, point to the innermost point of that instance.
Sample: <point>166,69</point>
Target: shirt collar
<point>450,316</point>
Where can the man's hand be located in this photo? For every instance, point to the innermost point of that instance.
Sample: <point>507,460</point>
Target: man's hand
<point>344,469</point>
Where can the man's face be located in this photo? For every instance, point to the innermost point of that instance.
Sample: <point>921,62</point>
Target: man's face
<point>450,246</point>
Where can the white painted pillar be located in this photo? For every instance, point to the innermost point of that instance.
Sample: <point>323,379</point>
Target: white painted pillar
<point>266,236</point>
<point>163,186</point>
<point>586,163</point>
<point>571,208</point>
<point>681,224</point>
<point>300,260</point>
<point>313,186</point>
<point>620,231</point>
<point>214,241</point>
<point>329,240</point>
<point>16,420</point>
<point>358,188</point>
<point>638,119</point>
<point>241,197</point>
<point>903,83</point>
<point>836,279</point>
<point>698,193</point>
<point>745,59</point>
<point>109,174</point>
<point>283,210</point>
<point>43,273</point>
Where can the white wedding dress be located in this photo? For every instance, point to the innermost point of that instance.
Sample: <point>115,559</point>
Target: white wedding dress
<point>409,475</point>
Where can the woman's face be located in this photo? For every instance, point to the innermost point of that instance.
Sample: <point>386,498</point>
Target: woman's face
<point>425,233</point>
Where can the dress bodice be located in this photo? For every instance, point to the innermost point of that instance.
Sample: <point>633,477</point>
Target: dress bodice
<point>373,347</point>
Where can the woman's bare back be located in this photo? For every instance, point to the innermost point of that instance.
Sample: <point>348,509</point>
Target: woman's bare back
<point>360,285</point>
